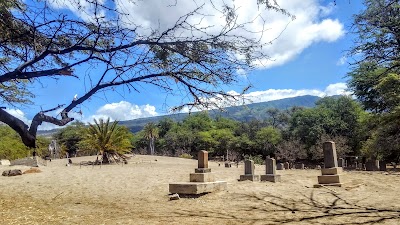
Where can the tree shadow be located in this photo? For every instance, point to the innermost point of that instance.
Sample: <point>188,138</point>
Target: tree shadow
<point>317,208</point>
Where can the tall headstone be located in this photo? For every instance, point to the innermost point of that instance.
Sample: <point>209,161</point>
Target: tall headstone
<point>202,159</point>
<point>270,171</point>
<point>330,157</point>
<point>249,172</point>
<point>331,173</point>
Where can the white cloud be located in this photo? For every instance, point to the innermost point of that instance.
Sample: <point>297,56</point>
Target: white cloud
<point>123,111</point>
<point>19,114</point>
<point>341,61</point>
<point>310,26</point>
<point>337,89</point>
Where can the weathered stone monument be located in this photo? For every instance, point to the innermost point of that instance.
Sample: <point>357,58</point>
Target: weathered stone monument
<point>270,171</point>
<point>299,166</point>
<point>372,165</point>
<point>382,166</point>
<point>286,165</point>
<point>280,166</point>
<point>341,162</point>
<point>249,172</point>
<point>331,172</point>
<point>201,181</point>
<point>29,161</point>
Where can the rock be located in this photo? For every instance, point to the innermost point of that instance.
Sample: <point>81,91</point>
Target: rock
<point>10,173</point>
<point>174,197</point>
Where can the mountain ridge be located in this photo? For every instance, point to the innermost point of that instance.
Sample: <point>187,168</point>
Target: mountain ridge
<point>242,113</point>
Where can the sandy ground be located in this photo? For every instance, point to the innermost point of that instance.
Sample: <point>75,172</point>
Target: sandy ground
<point>137,193</point>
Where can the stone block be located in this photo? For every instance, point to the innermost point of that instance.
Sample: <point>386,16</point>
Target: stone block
<point>341,162</point>
<point>249,167</point>
<point>329,179</point>
<point>271,178</point>
<point>251,177</point>
<point>330,157</point>
<point>299,166</point>
<point>202,159</point>
<point>228,164</point>
<point>5,162</point>
<point>32,162</point>
<point>372,165</point>
<point>202,177</point>
<point>280,166</point>
<point>286,165</point>
<point>332,171</point>
<point>270,166</point>
<point>202,170</point>
<point>194,188</point>
<point>382,166</point>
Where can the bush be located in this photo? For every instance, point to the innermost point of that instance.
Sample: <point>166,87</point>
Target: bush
<point>257,159</point>
<point>186,156</point>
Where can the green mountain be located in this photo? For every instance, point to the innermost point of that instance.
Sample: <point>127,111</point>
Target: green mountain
<point>241,113</point>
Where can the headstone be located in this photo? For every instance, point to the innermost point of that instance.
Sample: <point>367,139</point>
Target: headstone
<point>341,162</point>
<point>331,173</point>
<point>249,172</point>
<point>372,165</point>
<point>228,164</point>
<point>330,157</point>
<point>280,166</point>
<point>270,171</point>
<point>299,166</point>
<point>202,159</point>
<point>286,165</point>
<point>249,167</point>
<point>382,166</point>
<point>202,181</point>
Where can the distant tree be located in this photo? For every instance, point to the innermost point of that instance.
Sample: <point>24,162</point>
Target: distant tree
<point>150,132</point>
<point>70,136</point>
<point>108,139</point>
<point>41,40</point>
<point>267,139</point>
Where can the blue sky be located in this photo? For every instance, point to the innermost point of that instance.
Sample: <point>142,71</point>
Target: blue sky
<point>308,59</point>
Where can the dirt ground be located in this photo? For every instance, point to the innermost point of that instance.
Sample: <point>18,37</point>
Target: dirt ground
<point>137,193</point>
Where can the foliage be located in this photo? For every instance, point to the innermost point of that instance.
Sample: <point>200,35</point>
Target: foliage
<point>186,156</point>
<point>375,79</point>
<point>108,139</point>
<point>12,148</point>
<point>377,28</point>
<point>69,137</point>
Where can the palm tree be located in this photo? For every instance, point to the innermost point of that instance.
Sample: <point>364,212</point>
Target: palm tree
<point>150,131</point>
<point>109,140</point>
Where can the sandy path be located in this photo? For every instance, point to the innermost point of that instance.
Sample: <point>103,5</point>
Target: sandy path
<point>137,193</point>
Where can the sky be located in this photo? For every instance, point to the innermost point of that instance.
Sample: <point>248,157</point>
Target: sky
<point>308,57</point>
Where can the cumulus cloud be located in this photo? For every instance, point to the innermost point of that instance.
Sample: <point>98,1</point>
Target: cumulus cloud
<point>341,61</point>
<point>123,111</point>
<point>285,38</point>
